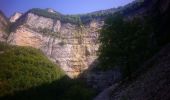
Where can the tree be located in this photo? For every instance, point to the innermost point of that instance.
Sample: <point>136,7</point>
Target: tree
<point>125,44</point>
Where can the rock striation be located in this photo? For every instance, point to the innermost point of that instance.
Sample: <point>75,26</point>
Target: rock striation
<point>71,46</point>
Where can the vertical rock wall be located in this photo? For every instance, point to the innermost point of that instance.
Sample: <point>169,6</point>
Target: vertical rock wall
<point>71,46</point>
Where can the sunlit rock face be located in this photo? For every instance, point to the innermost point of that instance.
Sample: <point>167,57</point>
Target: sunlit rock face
<point>50,10</point>
<point>71,46</point>
<point>3,27</point>
<point>15,17</point>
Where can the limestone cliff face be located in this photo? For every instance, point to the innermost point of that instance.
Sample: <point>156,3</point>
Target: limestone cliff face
<point>71,46</point>
<point>15,17</point>
<point>3,27</point>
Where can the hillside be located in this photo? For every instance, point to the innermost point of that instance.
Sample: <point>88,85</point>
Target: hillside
<point>150,81</point>
<point>153,84</point>
<point>26,73</point>
<point>121,52</point>
<point>22,68</point>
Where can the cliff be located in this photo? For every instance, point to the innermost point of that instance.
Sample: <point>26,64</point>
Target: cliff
<point>71,41</point>
<point>3,27</point>
<point>70,45</point>
<point>15,17</point>
<point>68,40</point>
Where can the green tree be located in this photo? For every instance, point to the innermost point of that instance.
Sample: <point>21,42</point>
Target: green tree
<point>125,43</point>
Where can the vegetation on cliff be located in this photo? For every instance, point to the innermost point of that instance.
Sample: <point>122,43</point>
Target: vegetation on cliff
<point>86,18</point>
<point>75,19</point>
<point>126,44</point>
<point>24,67</point>
<point>26,74</point>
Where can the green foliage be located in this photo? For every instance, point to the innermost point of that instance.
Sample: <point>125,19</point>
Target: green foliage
<point>125,10</point>
<point>45,13</point>
<point>24,67</point>
<point>125,44</point>
<point>26,74</point>
<point>3,46</point>
<point>86,18</point>
<point>75,19</point>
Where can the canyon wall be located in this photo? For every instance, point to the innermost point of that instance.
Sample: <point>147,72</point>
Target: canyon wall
<point>3,27</point>
<point>71,46</point>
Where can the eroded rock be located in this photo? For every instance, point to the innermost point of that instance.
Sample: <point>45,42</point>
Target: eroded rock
<point>71,46</point>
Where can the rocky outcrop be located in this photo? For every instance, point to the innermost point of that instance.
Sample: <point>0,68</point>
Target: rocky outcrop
<point>51,10</point>
<point>71,46</point>
<point>3,27</point>
<point>15,17</point>
<point>152,85</point>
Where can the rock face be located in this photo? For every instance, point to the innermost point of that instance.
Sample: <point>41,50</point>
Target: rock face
<point>50,10</point>
<point>100,80</point>
<point>152,85</point>
<point>15,17</point>
<point>154,82</point>
<point>71,46</point>
<point>3,27</point>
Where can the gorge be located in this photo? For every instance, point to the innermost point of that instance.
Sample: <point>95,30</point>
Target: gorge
<point>72,43</point>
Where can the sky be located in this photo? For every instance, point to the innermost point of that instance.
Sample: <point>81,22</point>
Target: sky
<point>9,7</point>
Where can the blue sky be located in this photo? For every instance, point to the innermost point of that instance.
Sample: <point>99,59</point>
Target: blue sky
<point>63,6</point>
